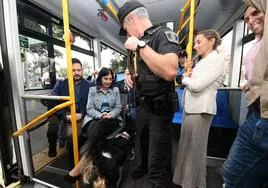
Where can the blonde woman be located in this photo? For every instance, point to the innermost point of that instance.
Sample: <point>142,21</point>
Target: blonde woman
<point>199,109</point>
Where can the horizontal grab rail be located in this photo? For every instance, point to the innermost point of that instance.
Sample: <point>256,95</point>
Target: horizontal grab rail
<point>34,122</point>
<point>46,97</point>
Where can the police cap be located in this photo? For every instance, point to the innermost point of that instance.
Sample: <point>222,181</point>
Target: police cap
<point>125,10</point>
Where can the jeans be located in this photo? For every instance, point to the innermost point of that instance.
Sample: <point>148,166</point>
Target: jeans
<point>247,162</point>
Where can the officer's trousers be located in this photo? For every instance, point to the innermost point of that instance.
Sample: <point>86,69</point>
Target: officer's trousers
<point>154,132</point>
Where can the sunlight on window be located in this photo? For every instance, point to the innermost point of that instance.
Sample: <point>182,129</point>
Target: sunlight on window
<point>246,48</point>
<point>225,50</point>
<point>81,42</point>
<point>112,59</point>
<point>61,62</point>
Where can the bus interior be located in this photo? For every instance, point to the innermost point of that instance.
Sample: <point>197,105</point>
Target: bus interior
<point>33,57</point>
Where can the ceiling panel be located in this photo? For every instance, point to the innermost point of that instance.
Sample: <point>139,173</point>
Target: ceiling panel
<point>210,14</point>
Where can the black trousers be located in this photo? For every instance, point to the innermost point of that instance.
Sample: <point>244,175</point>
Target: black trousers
<point>154,132</point>
<point>52,136</point>
<point>52,131</point>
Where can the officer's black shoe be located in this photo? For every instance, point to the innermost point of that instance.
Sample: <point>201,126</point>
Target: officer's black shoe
<point>139,172</point>
<point>52,152</point>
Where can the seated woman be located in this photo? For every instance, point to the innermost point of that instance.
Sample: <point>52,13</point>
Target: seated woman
<point>103,108</point>
<point>103,116</point>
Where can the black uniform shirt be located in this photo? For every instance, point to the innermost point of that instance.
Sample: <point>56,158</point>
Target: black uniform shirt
<point>162,40</point>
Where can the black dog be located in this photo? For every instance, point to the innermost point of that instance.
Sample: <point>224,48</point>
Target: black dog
<point>102,164</point>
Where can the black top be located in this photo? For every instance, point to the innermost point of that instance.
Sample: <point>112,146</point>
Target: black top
<point>162,40</point>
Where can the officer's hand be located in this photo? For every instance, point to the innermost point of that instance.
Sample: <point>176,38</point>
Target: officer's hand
<point>131,43</point>
<point>128,81</point>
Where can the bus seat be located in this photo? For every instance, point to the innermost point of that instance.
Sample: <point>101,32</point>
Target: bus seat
<point>222,119</point>
<point>177,119</point>
<point>124,101</point>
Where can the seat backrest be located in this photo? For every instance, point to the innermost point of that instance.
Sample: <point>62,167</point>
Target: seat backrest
<point>124,102</point>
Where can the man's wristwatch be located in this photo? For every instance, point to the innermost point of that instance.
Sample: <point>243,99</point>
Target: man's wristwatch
<point>141,44</point>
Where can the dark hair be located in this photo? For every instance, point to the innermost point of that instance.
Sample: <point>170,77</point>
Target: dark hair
<point>210,34</point>
<point>75,60</point>
<point>104,72</point>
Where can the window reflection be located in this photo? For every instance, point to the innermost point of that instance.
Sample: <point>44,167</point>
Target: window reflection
<point>61,62</point>
<point>57,31</point>
<point>82,42</point>
<point>225,50</point>
<point>32,24</point>
<point>36,64</point>
<point>112,59</point>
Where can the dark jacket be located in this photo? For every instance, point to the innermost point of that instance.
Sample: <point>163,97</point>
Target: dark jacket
<point>61,89</point>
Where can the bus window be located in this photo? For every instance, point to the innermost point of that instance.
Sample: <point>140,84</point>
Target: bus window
<point>225,50</point>
<point>35,63</point>
<point>61,65</point>
<point>246,48</point>
<point>112,59</point>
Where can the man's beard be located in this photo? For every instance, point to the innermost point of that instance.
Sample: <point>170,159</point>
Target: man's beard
<point>77,79</point>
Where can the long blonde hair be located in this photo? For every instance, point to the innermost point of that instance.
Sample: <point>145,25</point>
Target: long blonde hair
<point>89,172</point>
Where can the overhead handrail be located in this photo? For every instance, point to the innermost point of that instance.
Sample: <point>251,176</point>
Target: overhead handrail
<point>184,23</point>
<point>183,10</point>
<point>190,20</point>
<point>189,48</point>
<point>183,39</point>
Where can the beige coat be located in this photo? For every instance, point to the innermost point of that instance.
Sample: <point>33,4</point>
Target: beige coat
<point>201,91</point>
<point>259,79</point>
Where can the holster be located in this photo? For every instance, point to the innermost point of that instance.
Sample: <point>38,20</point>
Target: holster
<point>174,100</point>
<point>164,104</point>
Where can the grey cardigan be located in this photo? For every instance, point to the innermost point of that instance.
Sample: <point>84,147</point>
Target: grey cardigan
<point>95,99</point>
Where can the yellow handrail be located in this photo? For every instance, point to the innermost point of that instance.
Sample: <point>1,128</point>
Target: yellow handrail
<point>189,49</point>
<point>68,44</point>
<point>71,99</point>
<point>184,23</point>
<point>183,38</point>
<point>183,10</point>
<point>41,117</point>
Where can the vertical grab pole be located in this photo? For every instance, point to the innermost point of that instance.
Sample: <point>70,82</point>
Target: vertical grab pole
<point>191,35</point>
<point>68,44</point>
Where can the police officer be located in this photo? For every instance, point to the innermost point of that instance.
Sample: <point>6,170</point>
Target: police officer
<point>157,63</point>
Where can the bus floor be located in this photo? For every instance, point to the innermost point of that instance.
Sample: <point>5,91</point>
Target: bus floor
<point>53,173</point>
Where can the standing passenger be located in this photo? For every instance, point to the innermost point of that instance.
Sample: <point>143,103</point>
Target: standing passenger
<point>199,109</point>
<point>247,162</point>
<point>157,61</point>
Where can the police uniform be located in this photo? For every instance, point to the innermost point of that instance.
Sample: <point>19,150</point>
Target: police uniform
<point>154,114</point>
